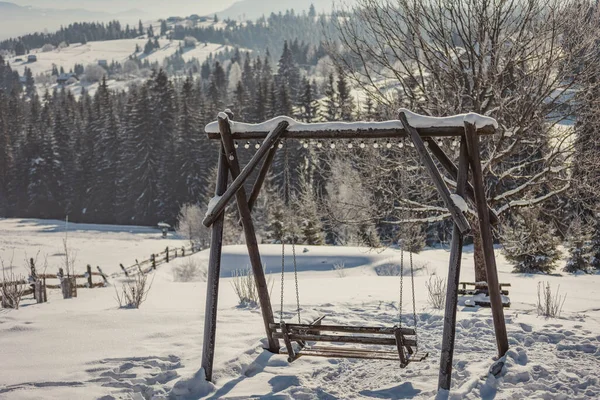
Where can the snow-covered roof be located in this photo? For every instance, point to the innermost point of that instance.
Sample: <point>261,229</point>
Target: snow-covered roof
<point>416,120</point>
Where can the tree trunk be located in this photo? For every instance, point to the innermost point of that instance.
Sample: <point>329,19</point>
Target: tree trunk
<point>478,256</point>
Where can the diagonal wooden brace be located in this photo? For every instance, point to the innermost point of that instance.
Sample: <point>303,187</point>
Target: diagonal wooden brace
<point>270,141</point>
<point>452,169</point>
<point>459,219</point>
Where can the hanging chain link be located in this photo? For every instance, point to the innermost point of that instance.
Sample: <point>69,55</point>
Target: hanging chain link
<point>288,198</point>
<point>412,281</point>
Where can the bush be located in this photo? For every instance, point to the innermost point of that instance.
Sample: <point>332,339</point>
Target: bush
<point>549,305</point>
<point>436,292</point>
<point>578,260</point>
<point>244,287</point>
<point>94,73</point>
<point>190,42</point>
<point>11,288</point>
<point>189,271</point>
<point>134,291</point>
<point>531,244</point>
<point>47,48</point>
<point>189,225</point>
<point>340,269</point>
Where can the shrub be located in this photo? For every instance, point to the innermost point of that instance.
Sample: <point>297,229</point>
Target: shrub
<point>578,260</point>
<point>134,291</point>
<point>12,287</point>
<point>94,73</point>
<point>531,244</point>
<point>436,292</point>
<point>244,287</point>
<point>190,42</point>
<point>189,225</point>
<point>549,305</point>
<point>340,269</point>
<point>47,48</point>
<point>189,271</point>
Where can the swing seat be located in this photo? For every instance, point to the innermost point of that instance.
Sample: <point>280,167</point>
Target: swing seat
<point>403,339</point>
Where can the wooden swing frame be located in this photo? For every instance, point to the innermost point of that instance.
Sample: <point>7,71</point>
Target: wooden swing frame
<point>422,139</point>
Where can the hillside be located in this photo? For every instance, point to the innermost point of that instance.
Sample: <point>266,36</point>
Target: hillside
<point>16,20</point>
<point>252,9</point>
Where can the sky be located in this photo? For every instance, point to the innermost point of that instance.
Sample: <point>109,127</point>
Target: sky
<point>151,7</point>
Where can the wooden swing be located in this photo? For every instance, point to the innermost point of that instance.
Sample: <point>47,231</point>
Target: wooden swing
<point>402,338</point>
<point>298,338</point>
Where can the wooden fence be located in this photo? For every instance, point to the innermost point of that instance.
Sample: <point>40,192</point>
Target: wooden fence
<point>150,264</point>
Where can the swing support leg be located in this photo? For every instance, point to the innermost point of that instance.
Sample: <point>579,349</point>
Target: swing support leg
<point>248,226</point>
<point>448,337</point>
<point>214,270</point>
<point>486,239</point>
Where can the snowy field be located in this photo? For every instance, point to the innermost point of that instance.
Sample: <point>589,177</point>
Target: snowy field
<point>109,50</point>
<point>87,348</point>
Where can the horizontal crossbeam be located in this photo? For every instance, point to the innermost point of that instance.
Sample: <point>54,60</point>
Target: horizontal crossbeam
<point>381,133</point>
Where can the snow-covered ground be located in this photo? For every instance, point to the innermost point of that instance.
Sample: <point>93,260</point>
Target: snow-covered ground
<point>109,50</point>
<point>87,348</point>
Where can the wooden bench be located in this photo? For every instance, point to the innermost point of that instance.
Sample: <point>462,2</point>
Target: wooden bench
<point>402,339</point>
<point>479,287</point>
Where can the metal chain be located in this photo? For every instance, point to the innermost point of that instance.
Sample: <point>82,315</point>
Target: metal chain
<point>288,195</point>
<point>401,243</point>
<point>282,272</point>
<point>412,280</point>
<point>401,287</point>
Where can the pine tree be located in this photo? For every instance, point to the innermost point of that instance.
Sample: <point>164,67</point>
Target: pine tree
<point>530,243</point>
<point>594,246</point>
<point>345,104</point>
<point>288,74</point>
<point>577,260</point>
<point>311,227</point>
<point>331,106</point>
<point>308,105</point>
<point>29,83</point>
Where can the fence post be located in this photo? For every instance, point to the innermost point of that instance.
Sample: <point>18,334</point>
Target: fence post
<point>182,251</point>
<point>103,275</point>
<point>167,252</point>
<point>175,256</point>
<point>124,270</point>
<point>89,276</point>
<point>153,259</point>
<point>34,277</point>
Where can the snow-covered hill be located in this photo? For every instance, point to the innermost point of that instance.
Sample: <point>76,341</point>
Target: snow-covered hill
<point>86,348</point>
<point>110,50</point>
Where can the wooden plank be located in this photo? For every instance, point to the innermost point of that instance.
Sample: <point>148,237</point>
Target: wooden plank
<point>472,292</point>
<point>345,339</point>
<point>374,133</point>
<point>349,329</point>
<point>452,169</point>
<point>242,176</point>
<point>400,347</point>
<point>486,239</point>
<point>250,235</point>
<point>501,285</point>
<point>457,215</point>
<point>449,330</point>
<point>346,354</point>
<point>214,271</point>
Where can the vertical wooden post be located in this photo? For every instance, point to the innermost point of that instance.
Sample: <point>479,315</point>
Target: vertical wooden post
<point>89,276</point>
<point>214,270</point>
<point>182,251</point>
<point>249,233</point>
<point>124,270</point>
<point>153,260</point>
<point>167,254</point>
<point>486,239</point>
<point>448,337</point>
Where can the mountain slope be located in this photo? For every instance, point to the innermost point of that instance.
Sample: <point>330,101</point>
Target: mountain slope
<point>16,20</point>
<point>252,9</point>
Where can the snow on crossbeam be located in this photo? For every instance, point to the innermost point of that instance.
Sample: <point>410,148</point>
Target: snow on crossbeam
<point>426,126</point>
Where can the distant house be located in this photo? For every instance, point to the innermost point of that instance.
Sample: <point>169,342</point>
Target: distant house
<point>63,79</point>
<point>103,63</point>
<point>31,58</point>
<point>174,19</point>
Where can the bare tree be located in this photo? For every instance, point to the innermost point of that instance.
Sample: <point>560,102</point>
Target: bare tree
<point>12,286</point>
<point>189,225</point>
<point>517,61</point>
